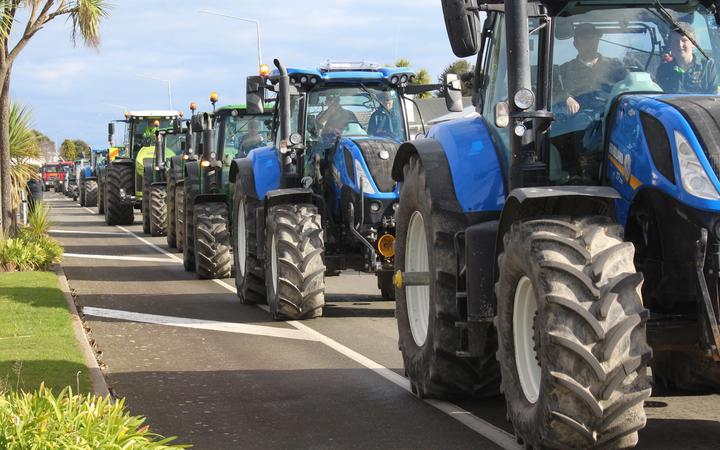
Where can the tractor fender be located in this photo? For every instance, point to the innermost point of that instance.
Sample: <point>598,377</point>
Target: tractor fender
<point>158,183</point>
<point>192,171</point>
<point>148,170</point>
<point>241,170</point>
<point>211,198</point>
<point>289,195</point>
<point>524,203</point>
<point>434,160</point>
<point>176,166</point>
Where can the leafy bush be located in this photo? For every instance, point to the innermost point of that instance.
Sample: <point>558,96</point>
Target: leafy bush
<point>32,248</point>
<point>64,421</point>
<point>28,251</point>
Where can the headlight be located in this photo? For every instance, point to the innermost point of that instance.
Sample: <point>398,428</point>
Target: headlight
<point>693,175</point>
<point>363,179</point>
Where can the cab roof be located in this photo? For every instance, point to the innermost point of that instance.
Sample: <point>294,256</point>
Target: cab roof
<point>153,114</point>
<point>347,72</point>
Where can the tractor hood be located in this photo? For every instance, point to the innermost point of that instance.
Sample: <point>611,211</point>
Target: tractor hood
<point>378,155</point>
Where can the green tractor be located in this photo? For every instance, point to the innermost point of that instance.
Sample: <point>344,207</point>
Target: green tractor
<point>227,133</point>
<point>176,186</point>
<point>122,180</point>
<point>169,142</point>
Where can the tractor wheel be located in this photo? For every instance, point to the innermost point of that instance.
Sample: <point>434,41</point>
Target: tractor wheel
<point>81,197</point>
<point>294,268</point>
<point>170,217</point>
<point>89,193</point>
<point>386,286</point>
<point>101,198</point>
<point>571,331</point>
<point>212,240</point>
<point>117,212</point>
<point>189,235</point>
<point>426,315</point>
<point>180,215</point>
<point>145,207</point>
<point>249,272</point>
<point>158,210</point>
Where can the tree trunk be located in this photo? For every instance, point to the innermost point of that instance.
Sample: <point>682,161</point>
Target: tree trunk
<point>5,188</point>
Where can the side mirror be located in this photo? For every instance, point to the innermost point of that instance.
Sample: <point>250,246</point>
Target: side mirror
<point>111,130</point>
<point>453,93</point>
<point>463,26</point>
<point>255,95</point>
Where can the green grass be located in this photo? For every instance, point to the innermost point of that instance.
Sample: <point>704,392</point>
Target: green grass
<point>37,343</point>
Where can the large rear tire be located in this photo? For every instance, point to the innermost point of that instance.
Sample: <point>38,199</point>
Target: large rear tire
<point>101,197</point>
<point>119,176</point>
<point>180,215</point>
<point>294,268</point>
<point>145,206</point>
<point>572,339</point>
<point>89,193</point>
<point>158,210</point>
<point>426,315</point>
<point>170,218</point>
<point>249,272</point>
<point>189,236</point>
<point>212,241</point>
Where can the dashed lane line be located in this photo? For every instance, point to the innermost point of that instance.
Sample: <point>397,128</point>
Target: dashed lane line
<point>118,257</point>
<point>100,233</point>
<point>211,325</point>
<point>480,426</point>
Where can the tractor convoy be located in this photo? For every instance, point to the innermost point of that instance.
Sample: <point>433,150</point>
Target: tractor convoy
<point>560,248</point>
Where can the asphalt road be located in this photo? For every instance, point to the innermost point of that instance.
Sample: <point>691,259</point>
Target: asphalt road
<point>220,375</point>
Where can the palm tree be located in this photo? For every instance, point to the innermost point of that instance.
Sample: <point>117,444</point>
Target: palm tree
<point>23,146</point>
<point>85,16</point>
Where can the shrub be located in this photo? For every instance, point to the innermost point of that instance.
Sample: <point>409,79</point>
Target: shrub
<point>28,251</point>
<point>39,222</point>
<point>44,420</point>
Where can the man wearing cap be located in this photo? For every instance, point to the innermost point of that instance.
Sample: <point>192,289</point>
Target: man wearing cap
<point>682,71</point>
<point>382,121</point>
<point>335,118</point>
<point>589,73</point>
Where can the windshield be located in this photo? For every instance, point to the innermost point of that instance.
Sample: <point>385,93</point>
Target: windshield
<point>241,134</point>
<point>141,132</point>
<point>49,168</point>
<point>173,144</point>
<point>358,111</point>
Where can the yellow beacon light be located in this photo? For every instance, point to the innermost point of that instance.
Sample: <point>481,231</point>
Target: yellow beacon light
<point>213,97</point>
<point>156,123</point>
<point>264,70</point>
<point>193,106</point>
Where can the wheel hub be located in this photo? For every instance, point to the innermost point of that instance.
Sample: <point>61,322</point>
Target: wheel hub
<point>417,297</point>
<point>525,310</point>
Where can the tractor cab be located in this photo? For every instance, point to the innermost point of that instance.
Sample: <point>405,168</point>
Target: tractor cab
<point>238,132</point>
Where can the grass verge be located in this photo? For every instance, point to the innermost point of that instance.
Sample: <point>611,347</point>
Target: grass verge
<point>37,343</point>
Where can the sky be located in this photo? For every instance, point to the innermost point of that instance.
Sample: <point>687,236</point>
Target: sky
<point>74,91</point>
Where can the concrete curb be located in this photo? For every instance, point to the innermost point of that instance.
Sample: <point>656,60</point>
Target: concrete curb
<point>97,380</point>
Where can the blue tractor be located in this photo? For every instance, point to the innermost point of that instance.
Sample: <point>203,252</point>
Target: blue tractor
<point>524,235</point>
<point>320,199</point>
<point>87,184</point>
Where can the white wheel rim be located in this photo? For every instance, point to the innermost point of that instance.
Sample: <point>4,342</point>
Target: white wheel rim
<point>240,237</point>
<point>273,265</point>
<point>417,297</point>
<point>524,311</point>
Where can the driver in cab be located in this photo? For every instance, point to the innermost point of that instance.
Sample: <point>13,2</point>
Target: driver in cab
<point>335,118</point>
<point>589,73</point>
<point>682,71</point>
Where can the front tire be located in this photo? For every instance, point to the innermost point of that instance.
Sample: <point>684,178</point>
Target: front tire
<point>89,193</point>
<point>426,315</point>
<point>571,330</point>
<point>119,176</point>
<point>145,207</point>
<point>212,241</point>
<point>158,210</point>
<point>101,198</point>
<point>249,272</point>
<point>294,268</point>
<point>189,235</point>
<point>180,216</point>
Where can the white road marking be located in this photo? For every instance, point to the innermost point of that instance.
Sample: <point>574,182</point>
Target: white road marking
<point>118,258</point>
<point>102,233</point>
<point>211,325</point>
<point>480,426</point>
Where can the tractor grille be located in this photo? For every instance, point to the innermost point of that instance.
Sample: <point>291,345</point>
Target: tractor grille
<point>703,113</point>
<point>380,169</point>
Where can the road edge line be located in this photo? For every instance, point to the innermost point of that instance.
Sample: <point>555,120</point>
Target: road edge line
<point>97,380</point>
